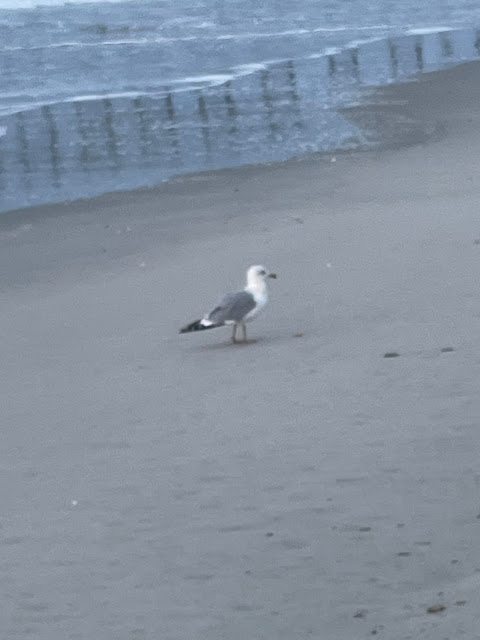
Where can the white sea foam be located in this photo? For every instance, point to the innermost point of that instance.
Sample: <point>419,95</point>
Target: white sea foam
<point>211,80</point>
<point>424,31</point>
<point>299,32</point>
<point>329,51</point>
<point>103,43</point>
<point>206,24</point>
<point>177,85</point>
<point>233,37</point>
<point>374,27</point>
<point>105,96</point>
<point>272,34</point>
<point>246,69</point>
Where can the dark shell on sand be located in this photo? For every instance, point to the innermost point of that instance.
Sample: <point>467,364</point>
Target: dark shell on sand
<point>436,608</point>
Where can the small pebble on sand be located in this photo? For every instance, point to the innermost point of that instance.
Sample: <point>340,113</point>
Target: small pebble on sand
<point>436,608</point>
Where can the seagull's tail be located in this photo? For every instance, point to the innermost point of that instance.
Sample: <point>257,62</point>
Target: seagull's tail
<point>199,325</point>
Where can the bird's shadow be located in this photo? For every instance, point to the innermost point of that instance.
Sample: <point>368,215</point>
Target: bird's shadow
<point>233,346</point>
<point>228,344</point>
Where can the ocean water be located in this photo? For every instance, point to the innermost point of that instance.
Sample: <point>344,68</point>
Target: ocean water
<point>99,96</point>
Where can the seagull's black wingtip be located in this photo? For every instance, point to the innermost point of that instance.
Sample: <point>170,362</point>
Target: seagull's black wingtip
<point>198,326</point>
<point>193,326</point>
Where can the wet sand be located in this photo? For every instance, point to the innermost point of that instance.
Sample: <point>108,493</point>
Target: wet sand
<point>163,486</point>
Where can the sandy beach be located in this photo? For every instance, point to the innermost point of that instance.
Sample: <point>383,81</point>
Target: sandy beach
<point>179,487</point>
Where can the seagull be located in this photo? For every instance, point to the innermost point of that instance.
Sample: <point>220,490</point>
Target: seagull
<point>237,308</point>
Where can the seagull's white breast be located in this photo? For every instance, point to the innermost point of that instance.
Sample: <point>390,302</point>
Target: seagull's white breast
<point>260,295</point>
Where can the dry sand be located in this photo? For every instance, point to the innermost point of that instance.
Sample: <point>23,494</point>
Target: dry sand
<point>177,487</point>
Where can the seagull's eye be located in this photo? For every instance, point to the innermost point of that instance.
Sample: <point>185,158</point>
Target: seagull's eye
<point>263,272</point>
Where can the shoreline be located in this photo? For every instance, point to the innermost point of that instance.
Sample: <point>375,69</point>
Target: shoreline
<point>414,107</point>
<point>381,115</point>
<point>62,151</point>
<point>304,485</point>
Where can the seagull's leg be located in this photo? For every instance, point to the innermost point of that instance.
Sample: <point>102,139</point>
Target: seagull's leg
<point>234,335</point>
<point>245,338</point>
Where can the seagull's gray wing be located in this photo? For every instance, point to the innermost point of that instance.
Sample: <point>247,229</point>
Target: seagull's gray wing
<point>233,307</point>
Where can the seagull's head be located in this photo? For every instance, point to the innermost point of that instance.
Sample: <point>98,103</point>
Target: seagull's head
<point>257,273</point>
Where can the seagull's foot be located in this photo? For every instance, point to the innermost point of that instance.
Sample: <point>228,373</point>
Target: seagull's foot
<point>249,341</point>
